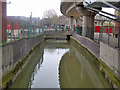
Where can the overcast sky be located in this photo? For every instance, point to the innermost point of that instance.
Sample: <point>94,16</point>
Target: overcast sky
<point>37,7</point>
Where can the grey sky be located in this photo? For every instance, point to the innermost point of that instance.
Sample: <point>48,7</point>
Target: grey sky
<point>37,7</point>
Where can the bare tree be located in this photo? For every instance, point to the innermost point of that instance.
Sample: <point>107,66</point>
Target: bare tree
<point>50,17</point>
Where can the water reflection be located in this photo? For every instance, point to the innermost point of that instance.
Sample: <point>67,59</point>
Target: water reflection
<point>47,76</point>
<point>37,68</point>
<point>75,71</point>
<point>61,65</point>
<point>30,70</point>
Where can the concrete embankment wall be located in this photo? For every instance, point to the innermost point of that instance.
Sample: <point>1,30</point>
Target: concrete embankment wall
<point>15,51</point>
<point>110,56</point>
<point>57,33</point>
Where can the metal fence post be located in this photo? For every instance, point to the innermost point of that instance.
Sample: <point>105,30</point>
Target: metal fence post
<point>43,29</point>
<point>33,30</point>
<point>59,27</point>
<point>28,30</point>
<point>76,29</point>
<point>39,30</point>
<point>109,32</point>
<point>8,34</point>
<point>11,30</point>
<point>93,28</point>
<point>99,36</point>
<point>49,27</point>
<point>23,32</point>
<point>19,32</point>
<point>87,33</point>
<point>102,30</point>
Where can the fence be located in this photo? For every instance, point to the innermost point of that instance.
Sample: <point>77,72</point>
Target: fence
<point>108,35</point>
<point>16,32</point>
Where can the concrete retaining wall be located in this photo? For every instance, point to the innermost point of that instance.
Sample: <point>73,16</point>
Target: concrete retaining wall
<point>50,33</point>
<point>7,57</point>
<point>15,51</point>
<point>110,56</point>
<point>112,40</point>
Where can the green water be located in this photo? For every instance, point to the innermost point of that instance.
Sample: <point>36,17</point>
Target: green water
<point>60,64</point>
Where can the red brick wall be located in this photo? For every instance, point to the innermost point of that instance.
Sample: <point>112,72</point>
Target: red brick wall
<point>15,20</point>
<point>3,21</point>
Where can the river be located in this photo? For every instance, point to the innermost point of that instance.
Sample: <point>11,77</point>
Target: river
<point>60,64</point>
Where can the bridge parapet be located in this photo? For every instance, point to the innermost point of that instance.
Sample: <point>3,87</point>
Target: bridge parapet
<point>57,33</point>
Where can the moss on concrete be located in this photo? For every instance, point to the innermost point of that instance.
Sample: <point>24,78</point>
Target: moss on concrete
<point>8,78</point>
<point>22,81</point>
<point>99,63</point>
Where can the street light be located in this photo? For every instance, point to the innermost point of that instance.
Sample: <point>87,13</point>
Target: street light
<point>9,2</point>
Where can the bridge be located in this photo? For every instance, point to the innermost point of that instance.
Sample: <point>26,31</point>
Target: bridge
<point>87,10</point>
<point>17,45</point>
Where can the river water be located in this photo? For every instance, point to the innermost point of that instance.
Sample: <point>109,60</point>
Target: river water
<point>60,64</point>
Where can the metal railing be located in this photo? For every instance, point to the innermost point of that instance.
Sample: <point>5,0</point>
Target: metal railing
<point>107,35</point>
<point>27,31</point>
<point>16,32</point>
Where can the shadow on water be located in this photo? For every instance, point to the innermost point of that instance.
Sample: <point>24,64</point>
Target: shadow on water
<point>75,71</point>
<point>60,64</point>
<point>23,79</point>
<point>27,78</point>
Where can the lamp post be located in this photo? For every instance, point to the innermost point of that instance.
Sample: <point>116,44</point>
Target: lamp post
<point>9,2</point>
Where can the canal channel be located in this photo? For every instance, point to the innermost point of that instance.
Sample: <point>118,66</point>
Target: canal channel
<point>61,64</point>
